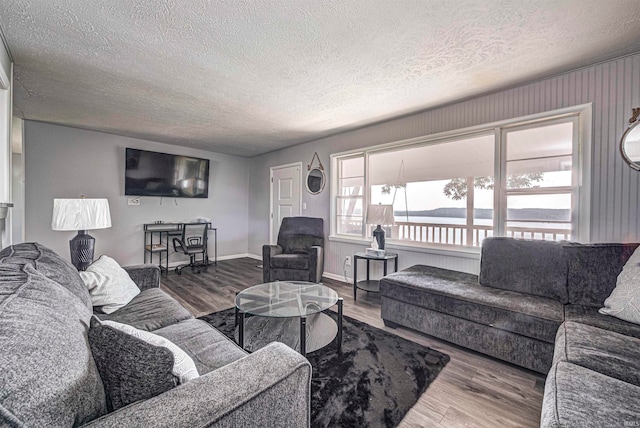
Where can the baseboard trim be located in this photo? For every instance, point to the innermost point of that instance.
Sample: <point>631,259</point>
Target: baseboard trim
<point>337,277</point>
<point>220,258</point>
<point>329,275</point>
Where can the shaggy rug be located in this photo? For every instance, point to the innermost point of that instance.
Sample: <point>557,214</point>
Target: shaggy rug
<point>374,382</point>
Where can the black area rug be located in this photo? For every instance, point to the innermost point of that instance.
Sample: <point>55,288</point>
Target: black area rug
<point>375,381</point>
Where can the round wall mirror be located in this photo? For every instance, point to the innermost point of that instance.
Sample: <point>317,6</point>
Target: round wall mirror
<point>315,181</point>
<point>630,146</point>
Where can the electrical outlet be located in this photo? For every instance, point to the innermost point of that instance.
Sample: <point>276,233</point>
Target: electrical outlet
<point>348,260</point>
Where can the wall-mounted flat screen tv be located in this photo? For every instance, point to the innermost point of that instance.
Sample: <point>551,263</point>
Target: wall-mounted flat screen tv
<point>161,174</point>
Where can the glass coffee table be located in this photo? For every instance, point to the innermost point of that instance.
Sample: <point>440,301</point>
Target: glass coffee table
<point>288,312</point>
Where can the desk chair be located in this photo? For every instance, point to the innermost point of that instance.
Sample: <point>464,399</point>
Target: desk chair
<point>192,242</point>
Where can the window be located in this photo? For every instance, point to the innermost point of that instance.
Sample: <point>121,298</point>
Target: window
<point>539,191</point>
<point>520,178</point>
<point>350,197</point>
<point>428,186</point>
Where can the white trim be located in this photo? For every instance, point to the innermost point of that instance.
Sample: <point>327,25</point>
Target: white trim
<point>584,114</point>
<point>459,252</point>
<point>337,277</point>
<point>173,264</point>
<point>464,132</point>
<point>271,169</point>
<point>585,121</point>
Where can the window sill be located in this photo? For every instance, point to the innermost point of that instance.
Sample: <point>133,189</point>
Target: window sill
<point>441,250</point>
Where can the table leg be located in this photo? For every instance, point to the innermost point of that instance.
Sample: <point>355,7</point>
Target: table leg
<point>396,263</point>
<point>385,267</point>
<point>355,277</point>
<point>339,338</point>
<point>303,336</point>
<point>241,330</point>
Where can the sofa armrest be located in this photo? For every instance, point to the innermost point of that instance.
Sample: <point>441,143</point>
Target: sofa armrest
<point>270,388</point>
<point>145,276</point>
<point>268,251</point>
<point>316,263</point>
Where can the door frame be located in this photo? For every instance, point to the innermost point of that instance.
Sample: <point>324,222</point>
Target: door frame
<point>271,169</point>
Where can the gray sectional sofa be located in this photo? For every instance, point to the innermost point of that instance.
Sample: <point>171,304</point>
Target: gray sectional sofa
<point>511,311</point>
<point>535,304</point>
<point>49,377</point>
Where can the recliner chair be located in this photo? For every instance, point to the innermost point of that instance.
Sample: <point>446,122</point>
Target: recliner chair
<point>299,254</point>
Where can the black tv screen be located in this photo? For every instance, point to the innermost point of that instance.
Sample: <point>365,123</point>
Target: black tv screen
<point>161,174</point>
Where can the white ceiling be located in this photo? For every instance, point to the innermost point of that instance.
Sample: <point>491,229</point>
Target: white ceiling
<point>248,77</point>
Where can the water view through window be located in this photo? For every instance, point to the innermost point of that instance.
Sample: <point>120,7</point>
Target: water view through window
<point>447,192</point>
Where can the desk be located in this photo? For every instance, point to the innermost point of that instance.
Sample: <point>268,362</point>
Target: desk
<point>156,242</point>
<point>370,284</point>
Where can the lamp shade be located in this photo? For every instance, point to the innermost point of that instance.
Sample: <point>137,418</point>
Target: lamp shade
<point>80,214</point>
<point>380,214</point>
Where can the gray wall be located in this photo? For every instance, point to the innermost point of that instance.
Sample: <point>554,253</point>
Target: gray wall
<point>64,162</point>
<point>613,88</point>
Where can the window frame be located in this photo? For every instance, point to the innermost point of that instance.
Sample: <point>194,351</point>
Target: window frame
<point>581,173</point>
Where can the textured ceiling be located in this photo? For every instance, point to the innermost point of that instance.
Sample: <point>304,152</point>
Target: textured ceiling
<point>247,77</point>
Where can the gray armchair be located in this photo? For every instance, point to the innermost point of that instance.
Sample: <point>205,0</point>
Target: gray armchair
<point>299,255</point>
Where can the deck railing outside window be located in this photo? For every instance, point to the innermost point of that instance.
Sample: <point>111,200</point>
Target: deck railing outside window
<point>461,235</point>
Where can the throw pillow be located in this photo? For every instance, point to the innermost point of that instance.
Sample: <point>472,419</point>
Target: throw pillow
<point>130,369</point>
<point>109,285</point>
<point>183,366</point>
<point>624,301</point>
<point>134,368</point>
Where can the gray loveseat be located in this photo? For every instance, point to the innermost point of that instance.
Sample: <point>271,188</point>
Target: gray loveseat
<point>535,304</point>
<point>48,376</point>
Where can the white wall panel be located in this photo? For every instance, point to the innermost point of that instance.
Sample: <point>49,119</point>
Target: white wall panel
<point>612,87</point>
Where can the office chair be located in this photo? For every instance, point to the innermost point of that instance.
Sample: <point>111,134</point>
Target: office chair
<point>192,242</point>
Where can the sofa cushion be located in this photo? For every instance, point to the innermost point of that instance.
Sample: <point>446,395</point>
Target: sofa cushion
<point>131,368</point>
<point>49,264</point>
<point>575,396</point>
<point>603,351</point>
<point>515,348</point>
<point>150,310</point>
<point>593,270</point>
<point>48,376</point>
<point>290,261</point>
<point>110,286</point>
<point>532,267</point>
<point>590,316</point>
<point>208,348</point>
<point>459,294</point>
<point>298,234</point>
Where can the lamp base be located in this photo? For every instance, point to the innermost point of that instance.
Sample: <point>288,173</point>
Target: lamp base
<point>378,233</point>
<point>81,247</point>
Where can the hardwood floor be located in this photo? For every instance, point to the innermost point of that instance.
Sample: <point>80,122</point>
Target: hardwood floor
<point>471,391</point>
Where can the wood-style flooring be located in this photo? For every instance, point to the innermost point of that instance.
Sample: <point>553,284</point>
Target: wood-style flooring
<point>471,391</point>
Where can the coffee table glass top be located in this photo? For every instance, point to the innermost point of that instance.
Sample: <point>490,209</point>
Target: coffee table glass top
<point>283,299</point>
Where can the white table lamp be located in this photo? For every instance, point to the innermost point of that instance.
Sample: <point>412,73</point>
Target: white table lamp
<point>81,215</point>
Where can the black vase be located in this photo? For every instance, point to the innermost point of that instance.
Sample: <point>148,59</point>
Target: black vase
<point>378,233</point>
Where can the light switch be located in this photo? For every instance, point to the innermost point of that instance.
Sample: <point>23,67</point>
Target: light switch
<point>304,205</point>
